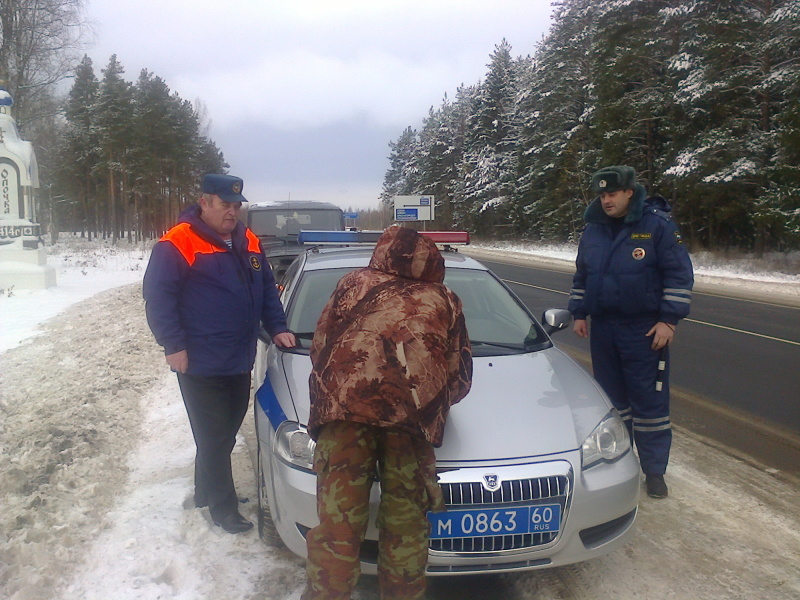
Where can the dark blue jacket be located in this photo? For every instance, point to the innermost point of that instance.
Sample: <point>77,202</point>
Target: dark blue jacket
<point>643,271</point>
<point>207,299</point>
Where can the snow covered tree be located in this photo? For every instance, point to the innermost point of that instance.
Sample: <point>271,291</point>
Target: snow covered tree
<point>490,160</point>
<point>635,109</point>
<point>401,178</point>
<point>558,150</point>
<point>441,146</point>
<point>777,209</point>
<point>702,97</point>
<point>733,93</point>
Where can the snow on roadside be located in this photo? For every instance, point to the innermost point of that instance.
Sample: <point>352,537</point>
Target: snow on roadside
<point>83,269</point>
<point>96,467</point>
<point>70,417</point>
<point>775,267</point>
<point>163,548</point>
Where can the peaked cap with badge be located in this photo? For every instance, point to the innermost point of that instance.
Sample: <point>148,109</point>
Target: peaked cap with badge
<point>227,187</point>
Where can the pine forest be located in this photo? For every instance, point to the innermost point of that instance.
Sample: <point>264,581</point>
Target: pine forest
<point>701,97</point>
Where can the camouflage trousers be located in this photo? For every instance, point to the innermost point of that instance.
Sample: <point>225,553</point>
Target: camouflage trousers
<point>347,459</point>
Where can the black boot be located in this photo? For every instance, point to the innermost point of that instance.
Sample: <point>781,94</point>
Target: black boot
<point>234,523</point>
<point>656,486</point>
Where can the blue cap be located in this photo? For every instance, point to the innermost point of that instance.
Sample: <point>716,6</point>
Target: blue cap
<point>227,187</point>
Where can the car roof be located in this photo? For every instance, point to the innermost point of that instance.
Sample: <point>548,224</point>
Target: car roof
<point>359,256</point>
<point>295,205</point>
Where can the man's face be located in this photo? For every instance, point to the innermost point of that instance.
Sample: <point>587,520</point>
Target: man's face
<point>221,216</point>
<point>615,204</point>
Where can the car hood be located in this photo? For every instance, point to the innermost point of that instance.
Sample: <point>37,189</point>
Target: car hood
<point>520,406</point>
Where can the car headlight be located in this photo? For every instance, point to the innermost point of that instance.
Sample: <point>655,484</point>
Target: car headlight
<point>608,442</point>
<point>294,446</point>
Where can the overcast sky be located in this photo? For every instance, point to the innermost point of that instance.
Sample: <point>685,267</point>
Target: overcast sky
<point>304,96</point>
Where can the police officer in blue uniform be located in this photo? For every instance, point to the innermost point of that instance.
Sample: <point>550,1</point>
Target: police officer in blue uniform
<point>634,280</point>
<point>207,289</point>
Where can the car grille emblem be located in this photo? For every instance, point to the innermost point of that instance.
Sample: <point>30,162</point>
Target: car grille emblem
<point>491,482</point>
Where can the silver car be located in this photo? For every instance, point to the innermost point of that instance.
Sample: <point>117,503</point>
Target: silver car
<point>536,466</point>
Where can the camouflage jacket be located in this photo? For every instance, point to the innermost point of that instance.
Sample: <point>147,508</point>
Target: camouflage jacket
<point>391,347</point>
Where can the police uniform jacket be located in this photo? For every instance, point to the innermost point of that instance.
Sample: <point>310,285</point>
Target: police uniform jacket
<point>207,299</point>
<point>642,271</point>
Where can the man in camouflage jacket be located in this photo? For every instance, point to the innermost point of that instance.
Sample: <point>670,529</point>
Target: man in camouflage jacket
<point>390,356</point>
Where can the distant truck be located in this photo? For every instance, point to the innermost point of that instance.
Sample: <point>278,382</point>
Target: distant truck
<point>278,223</point>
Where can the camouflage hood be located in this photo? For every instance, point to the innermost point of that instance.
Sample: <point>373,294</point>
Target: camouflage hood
<point>391,347</point>
<point>404,252</point>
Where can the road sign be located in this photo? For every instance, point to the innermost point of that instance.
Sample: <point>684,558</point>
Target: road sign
<point>413,208</point>
<point>406,214</point>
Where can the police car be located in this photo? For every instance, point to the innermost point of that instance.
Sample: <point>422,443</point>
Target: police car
<point>536,467</point>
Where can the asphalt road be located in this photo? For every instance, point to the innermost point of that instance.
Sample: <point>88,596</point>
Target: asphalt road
<point>735,364</point>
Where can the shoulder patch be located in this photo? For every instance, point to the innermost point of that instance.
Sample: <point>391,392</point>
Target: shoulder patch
<point>678,237</point>
<point>255,263</point>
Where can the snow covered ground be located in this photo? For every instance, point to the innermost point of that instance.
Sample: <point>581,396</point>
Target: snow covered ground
<point>96,474</point>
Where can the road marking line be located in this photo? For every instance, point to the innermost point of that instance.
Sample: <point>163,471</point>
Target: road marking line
<point>761,335</point>
<point>753,333</point>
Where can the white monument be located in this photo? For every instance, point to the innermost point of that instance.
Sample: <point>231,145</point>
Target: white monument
<point>23,260</point>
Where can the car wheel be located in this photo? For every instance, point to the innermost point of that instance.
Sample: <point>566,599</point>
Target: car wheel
<point>266,528</point>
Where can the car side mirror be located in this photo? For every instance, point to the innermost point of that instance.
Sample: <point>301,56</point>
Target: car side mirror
<point>556,319</point>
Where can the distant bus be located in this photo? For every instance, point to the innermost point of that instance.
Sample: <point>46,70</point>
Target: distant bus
<point>278,223</point>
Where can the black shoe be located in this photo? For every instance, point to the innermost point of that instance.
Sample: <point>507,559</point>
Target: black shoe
<point>234,523</point>
<point>656,486</point>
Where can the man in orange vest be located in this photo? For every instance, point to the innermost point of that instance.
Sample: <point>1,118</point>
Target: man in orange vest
<point>207,289</point>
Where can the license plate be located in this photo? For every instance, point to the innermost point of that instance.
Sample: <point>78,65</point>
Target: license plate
<point>543,518</point>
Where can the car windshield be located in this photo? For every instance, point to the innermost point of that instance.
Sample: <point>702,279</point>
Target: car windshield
<point>497,323</point>
<point>285,222</point>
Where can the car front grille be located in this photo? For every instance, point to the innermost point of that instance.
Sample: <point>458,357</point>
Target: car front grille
<point>470,495</point>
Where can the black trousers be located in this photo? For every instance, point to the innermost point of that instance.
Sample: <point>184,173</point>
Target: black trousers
<point>216,407</point>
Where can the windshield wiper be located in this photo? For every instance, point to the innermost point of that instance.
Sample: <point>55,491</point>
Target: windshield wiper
<point>508,346</point>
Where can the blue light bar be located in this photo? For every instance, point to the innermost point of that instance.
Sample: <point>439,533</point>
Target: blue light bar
<point>338,238</point>
<point>370,238</point>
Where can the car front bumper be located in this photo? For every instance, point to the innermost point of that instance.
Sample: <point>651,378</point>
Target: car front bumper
<point>599,509</point>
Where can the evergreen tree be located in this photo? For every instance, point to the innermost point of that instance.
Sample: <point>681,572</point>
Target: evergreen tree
<point>114,128</point>
<point>777,207</point>
<point>153,144</point>
<point>441,147</point>
<point>401,178</point>
<point>700,96</point>
<point>489,165</point>
<point>79,155</point>
<point>558,148</point>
